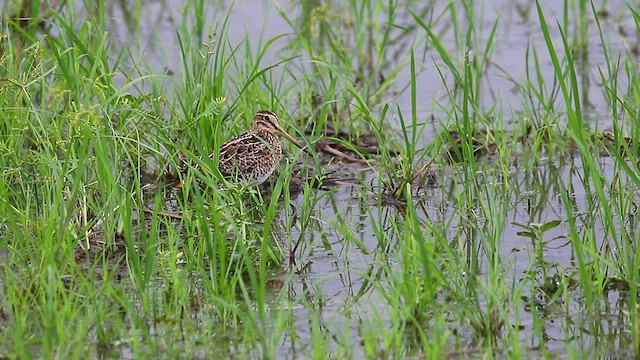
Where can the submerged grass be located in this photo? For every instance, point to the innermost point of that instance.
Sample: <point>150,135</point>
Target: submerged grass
<point>475,232</point>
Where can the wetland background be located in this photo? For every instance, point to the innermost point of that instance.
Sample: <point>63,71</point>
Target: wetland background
<point>486,205</point>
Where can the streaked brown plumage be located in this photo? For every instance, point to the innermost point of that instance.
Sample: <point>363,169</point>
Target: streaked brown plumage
<point>253,156</point>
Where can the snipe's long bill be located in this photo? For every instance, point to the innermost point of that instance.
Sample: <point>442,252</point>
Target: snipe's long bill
<point>253,156</point>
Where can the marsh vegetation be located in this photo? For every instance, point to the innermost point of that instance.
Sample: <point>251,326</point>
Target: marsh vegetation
<point>468,186</point>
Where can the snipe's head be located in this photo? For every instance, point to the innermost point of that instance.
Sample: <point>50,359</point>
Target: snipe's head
<point>268,121</point>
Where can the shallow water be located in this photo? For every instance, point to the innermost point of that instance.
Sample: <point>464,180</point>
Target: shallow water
<point>338,273</point>
<point>335,269</point>
<point>154,43</point>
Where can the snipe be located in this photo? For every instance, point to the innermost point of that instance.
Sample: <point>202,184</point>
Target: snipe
<point>253,156</point>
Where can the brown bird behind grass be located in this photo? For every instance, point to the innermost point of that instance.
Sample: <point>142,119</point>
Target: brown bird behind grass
<point>253,156</point>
